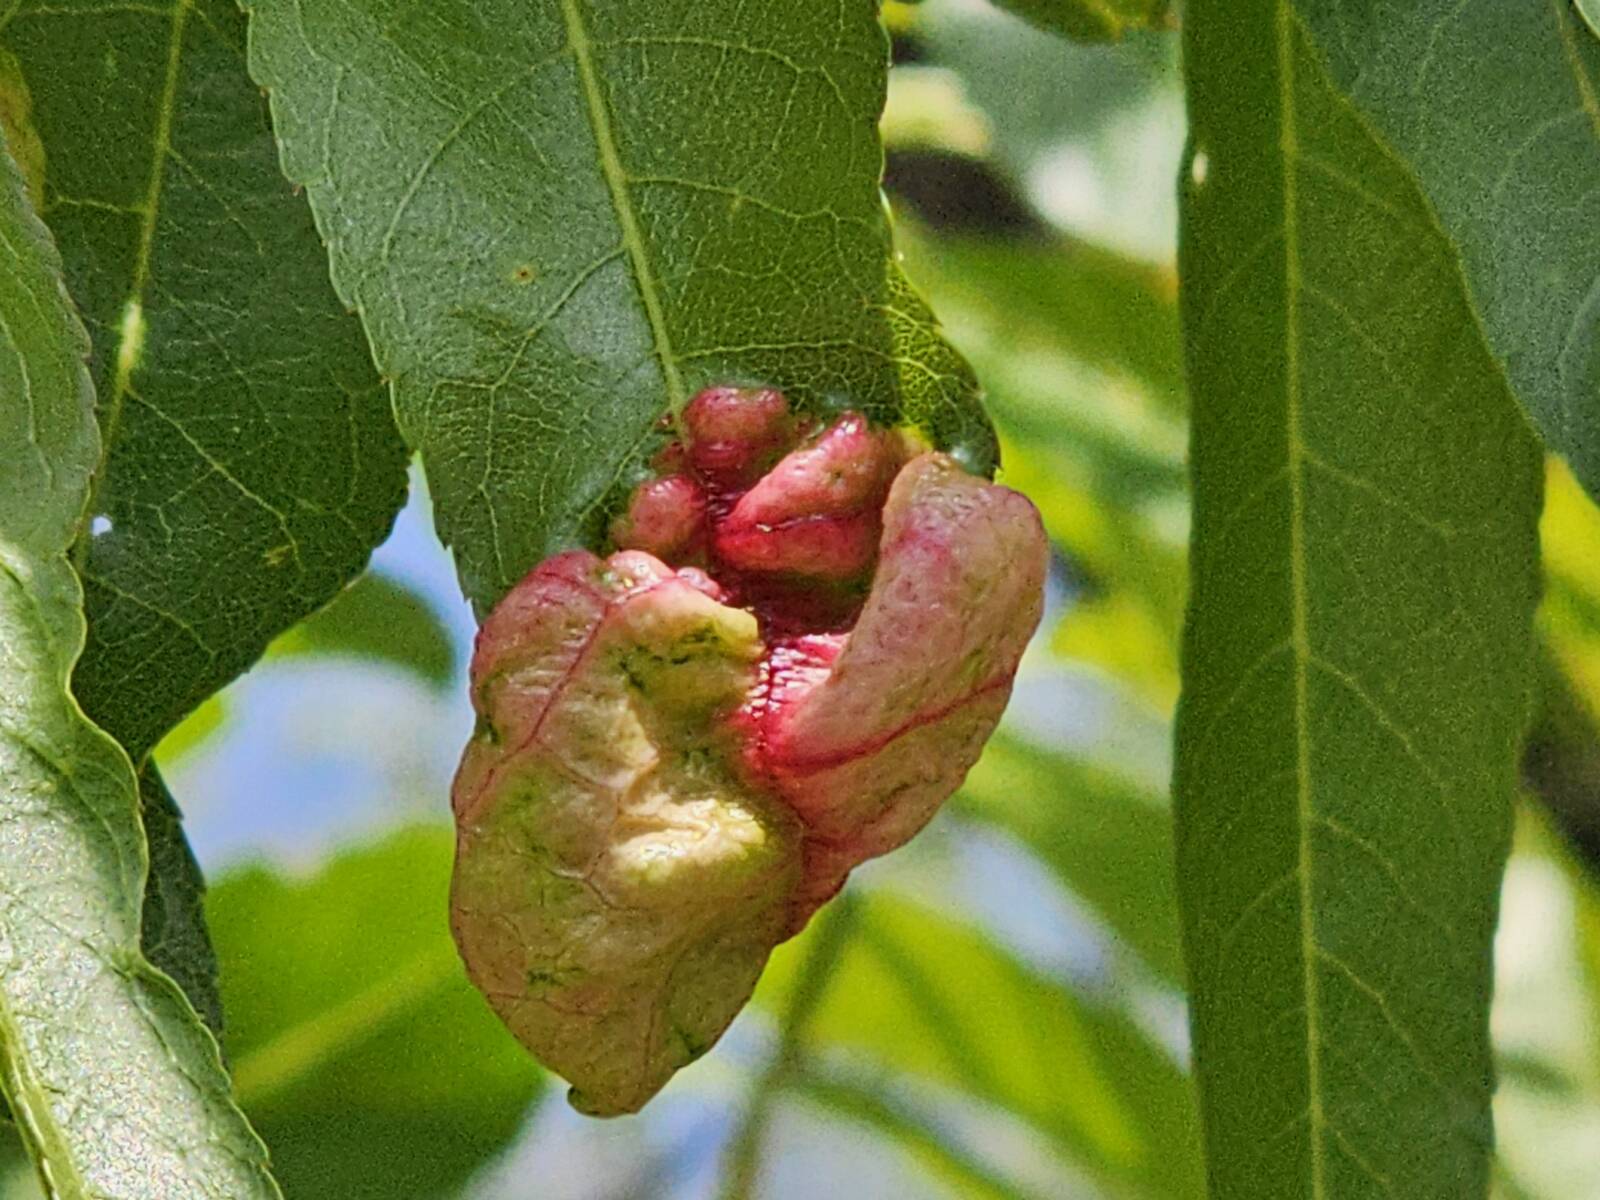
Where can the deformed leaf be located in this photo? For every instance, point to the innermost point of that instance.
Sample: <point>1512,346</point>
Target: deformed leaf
<point>252,460</point>
<point>1357,659</point>
<point>561,220</point>
<point>114,1083</point>
<point>674,769</point>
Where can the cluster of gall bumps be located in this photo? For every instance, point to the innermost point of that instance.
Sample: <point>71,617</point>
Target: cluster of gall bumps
<point>798,650</point>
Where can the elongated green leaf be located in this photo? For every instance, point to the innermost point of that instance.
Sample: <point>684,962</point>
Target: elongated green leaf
<point>559,220</point>
<point>1495,108</point>
<point>1357,655</point>
<point>1091,20</point>
<point>252,458</point>
<point>115,1084</point>
<point>366,1059</point>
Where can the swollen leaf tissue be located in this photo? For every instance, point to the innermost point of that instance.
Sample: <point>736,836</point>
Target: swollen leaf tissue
<point>796,653</point>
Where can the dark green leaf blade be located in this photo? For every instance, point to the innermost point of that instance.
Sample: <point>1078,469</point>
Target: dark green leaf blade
<point>361,1052</point>
<point>560,220</point>
<point>1496,110</point>
<point>252,457</point>
<point>1091,20</point>
<point>113,1080</point>
<point>1357,656</point>
<point>173,928</point>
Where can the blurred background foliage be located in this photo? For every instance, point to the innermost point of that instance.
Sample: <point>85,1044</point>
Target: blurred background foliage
<point>997,1010</point>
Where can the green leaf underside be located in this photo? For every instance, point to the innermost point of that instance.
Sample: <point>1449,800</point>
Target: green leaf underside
<point>1496,109</point>
<point>1357,655</point>
<point>1090,20</point>
<point>114,1083</point>
<point>253,461</point>
<point>560,220</point>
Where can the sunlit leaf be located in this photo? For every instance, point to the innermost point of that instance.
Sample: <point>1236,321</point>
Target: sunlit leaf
<point>252,458</point>
<point>560,220</point>
<point>110,1075</point>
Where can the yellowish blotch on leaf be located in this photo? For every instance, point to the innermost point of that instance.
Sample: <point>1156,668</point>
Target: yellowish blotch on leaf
<point>16,121</point>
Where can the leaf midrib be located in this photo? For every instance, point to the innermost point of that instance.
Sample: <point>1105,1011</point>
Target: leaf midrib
<point>616,178</point>
<point>1288,143</point>
<point>131,324</point>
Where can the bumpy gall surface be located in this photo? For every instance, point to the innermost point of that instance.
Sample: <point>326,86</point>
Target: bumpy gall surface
<point>795,655</point>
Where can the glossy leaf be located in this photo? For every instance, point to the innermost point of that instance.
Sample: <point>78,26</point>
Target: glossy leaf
<point>1495,109</point>
<point>561,220</point>
<point>252,458</point>
<point>113,1081</point>
<point>1357,655</point>
<point>360,1050</point>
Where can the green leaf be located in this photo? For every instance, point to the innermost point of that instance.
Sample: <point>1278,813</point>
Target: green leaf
<point>113,1080</point>
<point>173,929</point>
<point>252,457</point>
<point>1358,650</point>
<point>1495,108</point>
<point>1105,838</point>
<point>560,220</point>
<point>379,618</point>
<point>934,999</point>
<point>964,1174</point>
<point>366,1059</point>
<point>1091,20</point>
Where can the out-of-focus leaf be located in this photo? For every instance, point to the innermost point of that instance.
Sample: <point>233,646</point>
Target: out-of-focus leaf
<point>926,996</point>
<point>378,617</point>
<point>561,220</point>
<point>1357,656</point>
<point>252,457</point>
<point>366,1059</point>
<point>173,930</point>
<point>1065,297</point>
<point>112,1079</point>
<point>964,1174</point>
<point>1091,20</point>
<point>1494,109</point>
<point>1546,1024</point>
<point>1080,130</point>
<point>1106,839</point>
